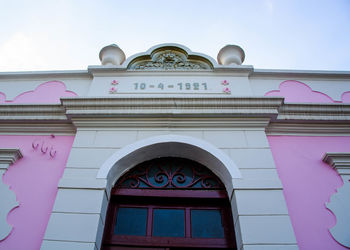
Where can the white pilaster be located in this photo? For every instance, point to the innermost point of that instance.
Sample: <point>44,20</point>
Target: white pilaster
<point>8,198</point>
<point>340,201</point>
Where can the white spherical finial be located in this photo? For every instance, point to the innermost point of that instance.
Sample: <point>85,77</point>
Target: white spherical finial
<point>231,55</point>
<point>112,55</point>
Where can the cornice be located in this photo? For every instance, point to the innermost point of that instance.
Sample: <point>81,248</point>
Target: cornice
<point>242,69</point>
<point>9,156</point>
<point>311,119</point>
<point>176,112</point>
<point>34,119</point>
<point>27,112</point>
<point>303,128</point>
<point>314,111</point>
<point>45,74</point>
<point>37,128</point>
<point>172,122</point>
<point>283,73</point>
<point>172,107</point>
<point>339,161</point>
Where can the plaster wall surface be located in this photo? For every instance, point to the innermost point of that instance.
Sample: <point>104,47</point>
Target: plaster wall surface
<point>308,184</point>
<point>34,180</point>
<point>334,88</point>
<point>12,88</point>
<point>86,84</point>
<point>92,147</point>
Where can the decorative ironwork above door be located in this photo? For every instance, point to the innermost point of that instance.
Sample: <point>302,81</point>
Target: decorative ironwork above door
<point>170,173</point>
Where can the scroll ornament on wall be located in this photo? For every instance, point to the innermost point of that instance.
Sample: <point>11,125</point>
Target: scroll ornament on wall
<point>44,147</point>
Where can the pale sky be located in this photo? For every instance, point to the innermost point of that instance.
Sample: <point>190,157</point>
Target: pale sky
<point>275,34</point>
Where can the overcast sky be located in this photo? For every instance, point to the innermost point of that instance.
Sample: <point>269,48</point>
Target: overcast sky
<point>275,34</point>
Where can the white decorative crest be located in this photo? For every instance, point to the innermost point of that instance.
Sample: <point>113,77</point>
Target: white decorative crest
<point>170,57</point>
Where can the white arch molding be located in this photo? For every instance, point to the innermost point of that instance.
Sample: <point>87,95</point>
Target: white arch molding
<point>169,146</point>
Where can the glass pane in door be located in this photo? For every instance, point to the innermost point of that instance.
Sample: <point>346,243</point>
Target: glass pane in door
<point>206,223</point>
<point>131,221</point>
<point>169,222</point>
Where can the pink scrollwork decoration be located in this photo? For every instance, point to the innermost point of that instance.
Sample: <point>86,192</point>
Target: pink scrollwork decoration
<point>44,149</point>
<point>35,145</point>
<point>52,152</point>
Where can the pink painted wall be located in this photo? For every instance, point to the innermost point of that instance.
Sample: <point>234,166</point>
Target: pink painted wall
<point>47,92</point>
<point>34,179</point>
<point>308,183</point>
<point>295,91</point>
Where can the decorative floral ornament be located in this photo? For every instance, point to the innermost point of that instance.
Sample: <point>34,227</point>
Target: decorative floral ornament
<point>226,90</point>
<point>225,82</point>
<point>114,82</point>
<point>113,90</point>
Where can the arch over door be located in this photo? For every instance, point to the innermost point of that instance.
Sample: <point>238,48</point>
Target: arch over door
<point>169,203</point>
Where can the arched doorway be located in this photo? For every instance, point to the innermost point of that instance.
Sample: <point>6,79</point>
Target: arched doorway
<point>169,203</point>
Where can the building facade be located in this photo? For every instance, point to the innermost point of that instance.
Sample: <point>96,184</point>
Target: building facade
<point>170,148</point>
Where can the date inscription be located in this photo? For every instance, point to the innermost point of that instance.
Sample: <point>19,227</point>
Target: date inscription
<point>180,86</point>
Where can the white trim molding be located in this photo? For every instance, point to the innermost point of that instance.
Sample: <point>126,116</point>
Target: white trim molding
<point>169,111</point>
<point>34,119</point>
<point>171,106</point>
<point>308,129</point>
<point>339,161</point>
<point>25,112</point>
<point>315,111</point>
<point>340,201</point>
<point>8,156</point>
<point>169,145</point>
